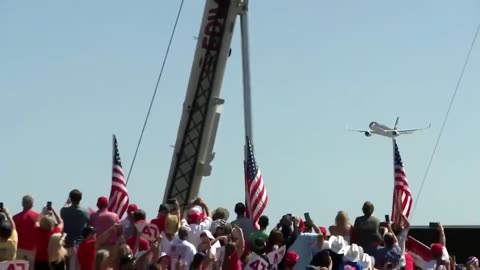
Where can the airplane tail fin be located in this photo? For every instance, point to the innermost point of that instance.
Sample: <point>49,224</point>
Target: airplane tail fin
<point>396,122</point>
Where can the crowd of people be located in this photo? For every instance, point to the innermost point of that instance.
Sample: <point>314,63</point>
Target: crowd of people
<point>195,237</point>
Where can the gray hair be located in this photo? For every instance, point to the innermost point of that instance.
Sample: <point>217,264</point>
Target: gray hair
<point>27,201</point>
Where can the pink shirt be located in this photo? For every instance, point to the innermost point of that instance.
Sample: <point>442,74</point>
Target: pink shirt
<point>102,220</point>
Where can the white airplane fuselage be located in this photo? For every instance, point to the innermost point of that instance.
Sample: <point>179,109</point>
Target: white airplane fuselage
<point>383,130</point>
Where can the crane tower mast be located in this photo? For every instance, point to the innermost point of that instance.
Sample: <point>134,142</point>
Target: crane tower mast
<point>202,107</point>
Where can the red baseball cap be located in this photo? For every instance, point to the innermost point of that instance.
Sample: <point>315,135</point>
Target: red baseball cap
<point>436,249</point>
<point>291,258</point>
<point>194,217</point>
<point>132,208</point>
<point>102,202</point>
<point>323,230</point>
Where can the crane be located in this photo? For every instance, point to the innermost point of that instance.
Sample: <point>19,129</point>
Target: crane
<point>193,150</point>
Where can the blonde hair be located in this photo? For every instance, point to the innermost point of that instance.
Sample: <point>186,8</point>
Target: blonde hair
<point>172,224</point>
<point>341,218</point>
<point>46,222</point>
<point>101,258</point>
<point>56,248</point>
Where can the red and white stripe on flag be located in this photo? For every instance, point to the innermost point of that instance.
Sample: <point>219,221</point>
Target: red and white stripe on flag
<point>401,190</point>
<point>118,201</point>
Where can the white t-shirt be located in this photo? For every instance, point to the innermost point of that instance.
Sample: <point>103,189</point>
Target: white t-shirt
<point>181,249</point>
<point>166,244</point>
<point>197,229</point>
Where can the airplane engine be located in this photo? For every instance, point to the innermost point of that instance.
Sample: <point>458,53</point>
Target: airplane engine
<point>395,133</point>
<point>368,134</point>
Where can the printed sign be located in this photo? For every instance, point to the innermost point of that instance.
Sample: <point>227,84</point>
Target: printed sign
<point>276,256</point>
<point>256,263</point>
<point>14,265</point>
<point>149,231</point>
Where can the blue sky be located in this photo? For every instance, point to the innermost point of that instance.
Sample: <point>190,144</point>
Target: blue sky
<point>73,73</point>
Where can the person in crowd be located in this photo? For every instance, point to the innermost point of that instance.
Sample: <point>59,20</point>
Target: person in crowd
<point>390,245</point>
<point>246,224</point>
<point>159,260</point>
<point>367,262</point>
<point>101,259</point>
<point>198,219</point>
<point>181,249</point>
<point>306,244</point>
<point>366,228</point>
<point>48,224</point>
<point>440,257</point>
<point>331,254</point>
<point>206,242</point>
<point>342,226</point>
<point>25,222</point>
<point>86,251</point>
<point>275,239</point>
<point>222,229</point>
<point>352,257</point>
<point>472,263</point>
<point>137,243</point>
<point>261,232</point>
<point>220,213</point>
<point>259,253</point>
<point>75,218</point>
<point>159,221</point>
<point>325,260</point>
<point>90,247</point>
<point>163,261</point>
<point>172,224</point>
<point>102,220</point>
<point>291,259</point>
<point>400,230</point>
<point>123,257</point>
<point>57,254</point>
<point>234,250</point>
<point>128,222</point>
<point>200,261</point>
<point>8,237</point>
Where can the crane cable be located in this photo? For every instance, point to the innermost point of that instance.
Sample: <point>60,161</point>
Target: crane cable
<point>472,45</point>
<point>156,87</point>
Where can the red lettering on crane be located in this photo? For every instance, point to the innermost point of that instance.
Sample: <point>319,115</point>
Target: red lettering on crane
<point>215,22</point>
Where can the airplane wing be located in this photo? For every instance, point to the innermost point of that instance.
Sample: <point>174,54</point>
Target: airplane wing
<point>359,130</point>
<point>409,131</point>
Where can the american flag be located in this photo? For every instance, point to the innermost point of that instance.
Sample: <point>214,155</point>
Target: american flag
<point>256,197</point>
<point>118,201</point>
<point>401,190</point>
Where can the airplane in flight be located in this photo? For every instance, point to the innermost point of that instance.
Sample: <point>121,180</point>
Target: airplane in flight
<point>383,130</point>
